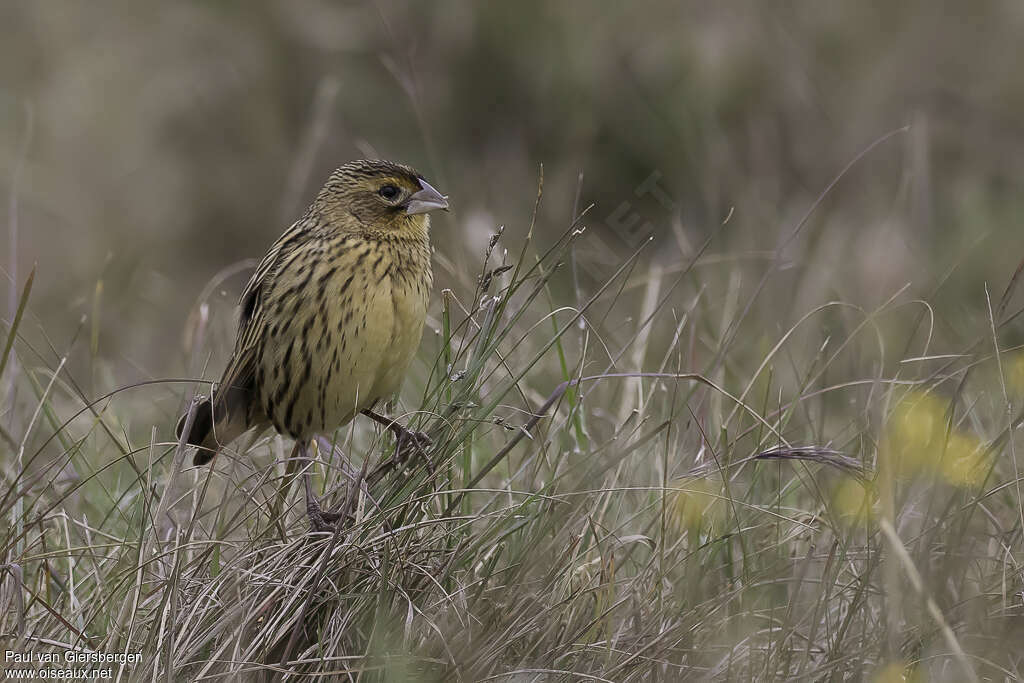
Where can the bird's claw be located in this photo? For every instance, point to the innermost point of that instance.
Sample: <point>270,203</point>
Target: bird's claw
<point>319,520</point>
<point>413,444</point>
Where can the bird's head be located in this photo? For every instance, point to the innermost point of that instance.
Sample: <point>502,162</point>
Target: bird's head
<point>378,196</point>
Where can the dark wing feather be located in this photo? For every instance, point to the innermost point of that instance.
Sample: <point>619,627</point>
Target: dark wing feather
<point>235,393</point>
<point>237,382</point>
<point>251,300</point>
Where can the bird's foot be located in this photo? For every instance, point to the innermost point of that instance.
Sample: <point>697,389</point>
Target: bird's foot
<point>412,444</point>
<point>407,445</point>
<point>319,519</point>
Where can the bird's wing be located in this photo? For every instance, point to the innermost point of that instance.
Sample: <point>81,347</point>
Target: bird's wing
<point>236,384</point>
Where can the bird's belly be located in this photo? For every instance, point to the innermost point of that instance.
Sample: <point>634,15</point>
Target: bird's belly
<point>350,356</point>
<point>408,311</point>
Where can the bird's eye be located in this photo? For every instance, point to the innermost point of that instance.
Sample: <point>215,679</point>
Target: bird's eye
<point>389,192</point>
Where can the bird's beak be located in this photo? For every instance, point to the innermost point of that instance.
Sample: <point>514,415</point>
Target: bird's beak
<point>426,200</point>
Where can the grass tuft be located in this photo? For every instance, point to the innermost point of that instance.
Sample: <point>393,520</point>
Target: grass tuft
<point>617,525</point>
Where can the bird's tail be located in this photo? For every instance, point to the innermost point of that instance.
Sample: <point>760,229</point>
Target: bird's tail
<point>209,430</point>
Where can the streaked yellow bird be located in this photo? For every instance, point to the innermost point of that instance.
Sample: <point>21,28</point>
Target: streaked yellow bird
<point>331,318</point>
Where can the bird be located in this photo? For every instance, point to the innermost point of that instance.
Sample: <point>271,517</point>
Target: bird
<point>330,319</point>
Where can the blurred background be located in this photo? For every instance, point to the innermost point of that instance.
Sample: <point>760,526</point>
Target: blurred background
<point>764,159</point>
<point>150,147</point>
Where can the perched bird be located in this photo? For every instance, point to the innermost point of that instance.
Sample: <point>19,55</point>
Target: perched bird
<point>330,319</point>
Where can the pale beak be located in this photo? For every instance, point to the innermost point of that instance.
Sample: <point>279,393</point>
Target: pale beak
<point>427,199</point>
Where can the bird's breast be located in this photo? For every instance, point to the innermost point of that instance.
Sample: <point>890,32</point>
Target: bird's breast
<point>409,294</point>
<point>328,361</point>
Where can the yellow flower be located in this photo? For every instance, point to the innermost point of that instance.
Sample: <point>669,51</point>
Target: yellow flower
<point>1014,367</point>
<point>854,500</point>
<point>897,672</point>
<point>964,463</point>
<point>916,441</point>
<point>914,433</point>
<point>697,501</point>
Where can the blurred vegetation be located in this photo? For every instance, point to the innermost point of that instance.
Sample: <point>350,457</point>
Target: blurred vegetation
<point>168,138</point>
<point>783,156</point>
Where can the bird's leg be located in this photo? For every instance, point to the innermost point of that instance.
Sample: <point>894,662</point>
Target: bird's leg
<point>318,519</point>
<point>408,442</point>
